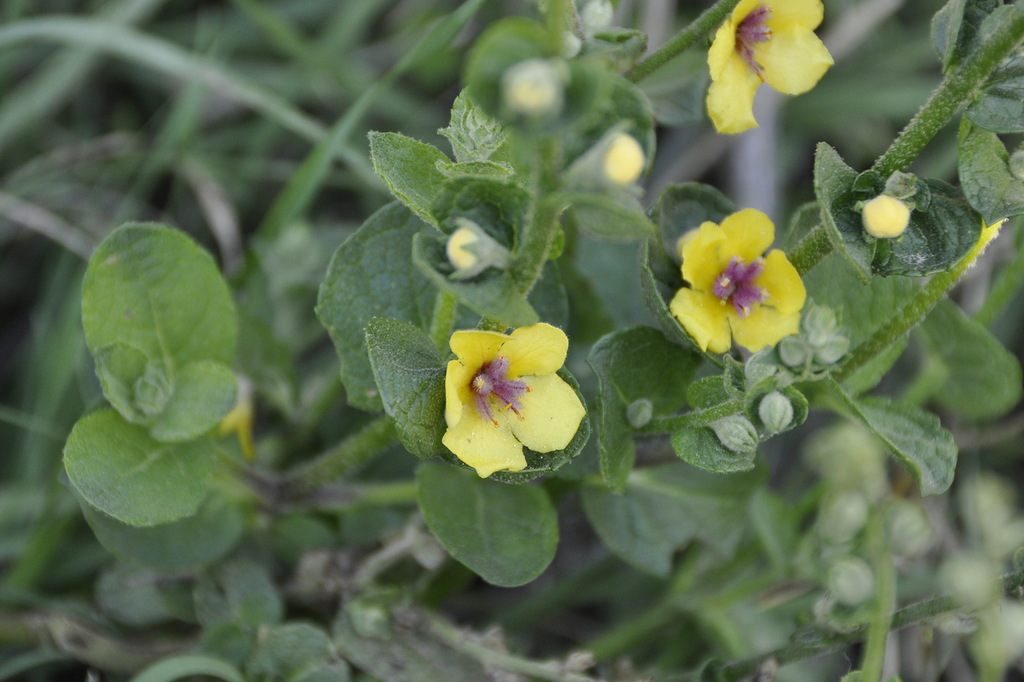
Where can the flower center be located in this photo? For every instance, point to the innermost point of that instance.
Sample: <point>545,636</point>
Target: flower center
<point>752,30</point>
<point>492,380</point>
<point>736,285</point>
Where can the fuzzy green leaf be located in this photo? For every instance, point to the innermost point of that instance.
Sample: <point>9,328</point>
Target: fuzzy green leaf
<point>832,182</point>
<point>702,448</point>
<point>914,436</point>
<point>665,508</point>
<point>1000,108</point>
<point>119,469</point>
<point>410,376</point>
<point>372,275</point>
<point>634,364</point>
<point>983,379</point>
<point>506,534</point>
<point>409,168</point>
<point>182,546</point>
<point>203,393</point>
<point>985,174</point>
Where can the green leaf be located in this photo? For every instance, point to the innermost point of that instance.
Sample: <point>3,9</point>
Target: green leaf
<point>914,436</point>
<point>154,289</point>
<point>122,471</point>
<point>677,91</point>
<point>179,667</point>
<point>490,294</point>
<point>983,379</point>
<point>178,547</point>
<point>701,447</point>
<point>410,376</point>
<point>946,30</point>
<point>505,534</point>
<point>985,174</point>
<point>620,47</point>
<point>298,652</point>
<point>372,275</point>
<point>634,364</point>
<point>203,394</point>
<point>1000,107</point>
<point>240,592</point>
<point>132,596</point>
<point>474,136</point>
<point>498,206</point>
<point>409,168</point>
<point>616,214</point>
<point>665,508</point>
<point>832,182</point>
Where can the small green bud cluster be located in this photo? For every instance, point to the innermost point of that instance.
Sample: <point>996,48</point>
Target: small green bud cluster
<point>470,250</point>
<point>152,390</point>
<point>776,412</point>
<point>819,345</point>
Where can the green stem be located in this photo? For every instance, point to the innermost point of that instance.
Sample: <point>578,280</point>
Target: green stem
<point>538,234</point>
<point>672,424</point>
<point>701,26</point>
<point>1009,281</point>
<point>343,458</point>
<point>443,320</point>
<point>811,250</point>
<point>885,596</point>
<point>958,88</point>
<point>916,309</point>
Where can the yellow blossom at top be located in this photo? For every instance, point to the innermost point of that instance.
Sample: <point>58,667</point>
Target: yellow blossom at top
<point>764,41</point>
<point>502,393</point>
<point>885,217</point>
<point>735,293</point>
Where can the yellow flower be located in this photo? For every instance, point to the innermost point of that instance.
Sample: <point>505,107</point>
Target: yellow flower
<point>736,293</point>
<point>239,420</point>
<point>502,393</point>
<point>764,41</point>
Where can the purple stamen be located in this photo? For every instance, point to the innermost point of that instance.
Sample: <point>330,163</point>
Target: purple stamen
<point>752,30</point>
<point>735,285</point>
<point>492,380</point>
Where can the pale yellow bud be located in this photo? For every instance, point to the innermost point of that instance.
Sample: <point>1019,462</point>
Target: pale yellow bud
<point>623,159</point>
<point>461,257</point>
<point>885,217</point>
<point>533,88</point>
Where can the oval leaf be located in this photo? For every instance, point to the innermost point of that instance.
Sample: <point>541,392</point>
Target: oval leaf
<point>505,534</point>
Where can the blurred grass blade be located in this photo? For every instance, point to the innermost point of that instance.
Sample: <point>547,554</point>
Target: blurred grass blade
<point>172,60</point>
<point>306,181</point>
<point>37,97</point>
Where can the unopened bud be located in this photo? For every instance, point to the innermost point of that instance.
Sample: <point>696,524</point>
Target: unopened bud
<point>832,350</point>
<point>885,217</point>
<point>971,579</point>
<point>152,391</point>
<point>851,581</point>
<point>819,324</point>
<point>623,159</point>
<point>910,533</point>
<point>843,515</point>
<point>736,433</point>
<point>470,250</point>
<point>596,15</point>
<point>794,352</point>
<point>534,87</point>
<point>639,413</point>
<point>571,44</point>
<point>776,412</point>
<point>1017,164</point>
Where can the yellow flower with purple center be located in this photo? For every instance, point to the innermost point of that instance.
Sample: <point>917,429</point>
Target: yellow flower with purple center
<point>736,293</point>
<point>502,393</point>
<point>764,41</point>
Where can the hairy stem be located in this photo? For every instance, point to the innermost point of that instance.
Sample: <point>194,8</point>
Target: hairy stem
<point>343,458</point>
<point>701,26</point>
<point>691,419</point>
<point>811,250</point>
<point>958,88</point>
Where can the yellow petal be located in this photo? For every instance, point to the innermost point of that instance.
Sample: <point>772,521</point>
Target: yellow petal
<point>703,260</point>
<point>794,60</point>
<point>551,414</point>
<point>786,14</point>
<point>484,446</point>
<point>764,326</point>
<point>731,95</point>
<point>537,349</point>
<point>749,233</point>
<point>786,292</point>
<point>722,49</point>
<point>457,391</point>
<point>704,317</point>
<point>475,348</point>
